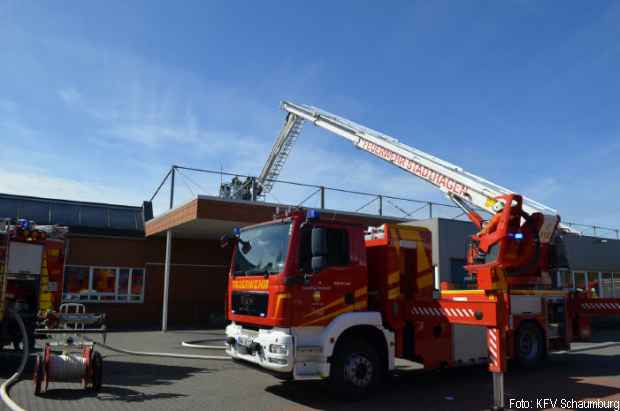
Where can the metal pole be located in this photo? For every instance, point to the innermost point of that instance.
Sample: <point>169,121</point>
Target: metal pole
<point>172,187</point>
<point>253,189</point>
<point>498,391</point>
<point>164,319</point>
<point>322,197</point>
<point>430,209</point>
<point>167,261</point>
<point>380,204</point>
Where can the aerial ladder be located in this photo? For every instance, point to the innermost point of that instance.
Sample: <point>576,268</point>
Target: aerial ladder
<point>459,185</point>
<point>252,188</point>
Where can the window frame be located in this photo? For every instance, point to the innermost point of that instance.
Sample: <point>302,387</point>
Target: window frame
<point>300,253</point>
<point>97,294</point>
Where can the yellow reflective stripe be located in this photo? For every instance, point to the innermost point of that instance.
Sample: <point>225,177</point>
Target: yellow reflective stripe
<point>462,292</point>
<point>330,305</point>
<point>393,278</point>
<point>357,306</point>
<point>278,301</point>
<point>425,281</point>
<point>361,291</point>
<point>394,293</point>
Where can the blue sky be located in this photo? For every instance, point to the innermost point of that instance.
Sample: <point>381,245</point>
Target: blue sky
<point>97,100</point>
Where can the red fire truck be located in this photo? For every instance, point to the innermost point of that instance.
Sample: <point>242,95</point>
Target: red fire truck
<point>31,274</point>
<point>318,298</point>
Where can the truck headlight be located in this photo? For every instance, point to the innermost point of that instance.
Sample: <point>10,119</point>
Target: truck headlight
<point>278,349</point>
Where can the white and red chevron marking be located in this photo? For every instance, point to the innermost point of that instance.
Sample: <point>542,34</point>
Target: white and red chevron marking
<point>600,306</point>
<point>492,336</point>
<point>438,312</point>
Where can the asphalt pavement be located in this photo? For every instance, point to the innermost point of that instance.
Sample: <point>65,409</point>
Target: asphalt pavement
<point>590,371</point>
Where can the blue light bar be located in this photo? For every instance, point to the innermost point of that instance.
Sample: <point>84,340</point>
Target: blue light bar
<point>518,236</point>
<point>312,214</point>
<point>237,231</point>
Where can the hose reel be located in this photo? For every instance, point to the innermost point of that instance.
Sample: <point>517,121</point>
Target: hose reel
<point>85,367</point>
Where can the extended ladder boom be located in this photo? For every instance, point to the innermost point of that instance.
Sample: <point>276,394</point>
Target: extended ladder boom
<point>279,152</point>
<point>451,179</point>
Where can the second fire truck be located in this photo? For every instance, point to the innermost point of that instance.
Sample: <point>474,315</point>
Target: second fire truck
<point>31,275</point>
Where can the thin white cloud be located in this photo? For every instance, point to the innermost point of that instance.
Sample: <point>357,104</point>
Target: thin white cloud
<point>39,183</point>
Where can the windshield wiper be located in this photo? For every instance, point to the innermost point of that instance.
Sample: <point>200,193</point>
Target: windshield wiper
<point>255,271</point>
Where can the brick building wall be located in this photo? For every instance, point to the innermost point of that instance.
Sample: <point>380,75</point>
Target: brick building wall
<point>197,278</point>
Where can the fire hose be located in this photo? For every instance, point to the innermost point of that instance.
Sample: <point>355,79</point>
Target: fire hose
<point>162,354</point>
<point>190,344</point>
<point>197,344</point>
<point>4,389</point>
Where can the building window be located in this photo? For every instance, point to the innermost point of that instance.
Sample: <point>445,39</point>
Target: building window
<point>77,282</point>
<point>103,284</point>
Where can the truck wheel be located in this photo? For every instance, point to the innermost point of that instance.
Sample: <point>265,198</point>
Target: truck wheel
<point>529,345</point>
<point>355,369</point>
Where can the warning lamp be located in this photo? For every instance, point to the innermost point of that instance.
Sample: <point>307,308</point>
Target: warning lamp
<point>237,231</point>
<point>312,214</point>
<point>23,223</point>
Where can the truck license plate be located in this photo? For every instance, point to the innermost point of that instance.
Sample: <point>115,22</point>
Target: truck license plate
<point>244,341</point>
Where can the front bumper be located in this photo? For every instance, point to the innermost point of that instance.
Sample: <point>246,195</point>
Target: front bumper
<point>254,346</point>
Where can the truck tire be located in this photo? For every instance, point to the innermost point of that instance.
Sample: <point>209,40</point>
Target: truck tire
<point>529,345</point>
<point>355,369</point>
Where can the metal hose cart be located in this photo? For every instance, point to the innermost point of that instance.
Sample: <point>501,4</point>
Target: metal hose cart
<point>69,357</point>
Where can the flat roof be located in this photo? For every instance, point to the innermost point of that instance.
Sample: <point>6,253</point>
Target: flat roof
<point>77,215</point>
<point>208,217</point>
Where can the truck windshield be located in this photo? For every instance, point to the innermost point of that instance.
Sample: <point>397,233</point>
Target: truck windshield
<point>262,250</point>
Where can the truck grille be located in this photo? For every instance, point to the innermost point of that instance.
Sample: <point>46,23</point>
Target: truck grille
<point>245,303</point>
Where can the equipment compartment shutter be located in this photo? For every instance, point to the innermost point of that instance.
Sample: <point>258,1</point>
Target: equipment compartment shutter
<point>25,258</point>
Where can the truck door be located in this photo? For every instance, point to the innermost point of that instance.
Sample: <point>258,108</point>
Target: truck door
<point>339,286</point>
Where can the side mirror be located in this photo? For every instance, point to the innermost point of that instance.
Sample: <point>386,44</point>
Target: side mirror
<point>318,263</point>
<point>318,244</point>
<point>319,241</point>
